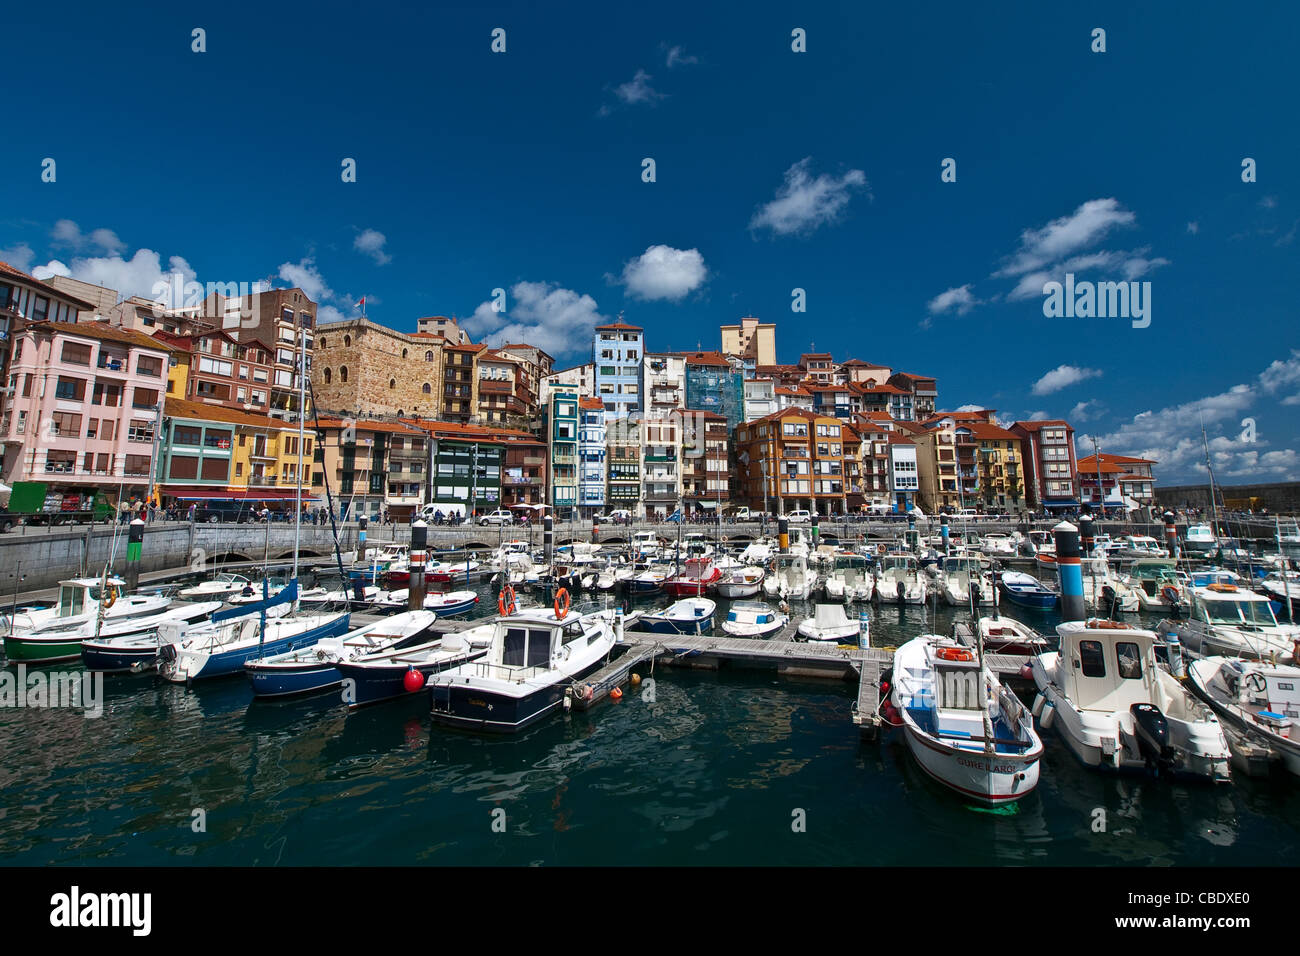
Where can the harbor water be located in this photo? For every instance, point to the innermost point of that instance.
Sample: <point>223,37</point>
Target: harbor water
<point>726,767</point>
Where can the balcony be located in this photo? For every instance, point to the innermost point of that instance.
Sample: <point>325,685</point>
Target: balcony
<point>564,458</point>
<point>110,364</point>
<point>261,481</point>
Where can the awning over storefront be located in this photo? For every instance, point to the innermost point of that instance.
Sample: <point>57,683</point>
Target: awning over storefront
<point>235,494</point>
<point>1071,503</point>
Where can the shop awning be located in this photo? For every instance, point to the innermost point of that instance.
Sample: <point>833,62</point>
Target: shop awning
<point>235,494</point>
<point>1071,503</point>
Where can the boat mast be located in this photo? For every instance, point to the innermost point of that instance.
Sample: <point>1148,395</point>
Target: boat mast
<point>1209,467</point>
<point>302,420</point>
<point>1286,580</point>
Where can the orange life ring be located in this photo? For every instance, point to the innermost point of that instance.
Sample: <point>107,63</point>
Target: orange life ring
<point>954,654</point>
<point>881,549</point>
<point>1226,588</point>
<point>562,614</point>
<point>1097,624</point>
<point>506,601</point>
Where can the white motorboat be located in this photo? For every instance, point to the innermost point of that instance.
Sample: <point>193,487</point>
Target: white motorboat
<point>1225,620</point>
<point>740,583</point>
<point>758,552</point>
<point>320,597</point>
<point>1117,708</point>
<point>850,579</point>
<point>1200,539</point>
<point>220,588</point>
<point>1258,701</point>
<point>1103,590</point>
<point>964,583</point>
<point>1135,547</point>
<point>1032,542</point>
<point>792,579</point>
<point>1156,584</point>
<point>753,619</point>
<point>692,615</point>
<point>1284,587</point>
<point>534,657</point>
<point>79,602</point>
<point>962,726</point>
<point>996,544</point>
<point>830,623</point>
<point>443,603</point>
<point>900,580</point>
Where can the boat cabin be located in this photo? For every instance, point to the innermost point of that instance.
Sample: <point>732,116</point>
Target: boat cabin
<point>535,641</point>
<point>1106,666</point>
<point>1227,605</point>
<point>751,612</point>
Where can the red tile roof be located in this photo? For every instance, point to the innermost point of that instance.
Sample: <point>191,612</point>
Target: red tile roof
<point>1042,423</point>
<point>41,284</point>
<point>104,332</point>
<point>619,325</point>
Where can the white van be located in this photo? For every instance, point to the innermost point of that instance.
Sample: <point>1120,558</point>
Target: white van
<point>801,514</point>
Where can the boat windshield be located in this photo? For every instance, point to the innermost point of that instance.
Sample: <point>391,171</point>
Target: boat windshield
<point>953,565</point>
<point>72,599</point>
<point>1257,613</point>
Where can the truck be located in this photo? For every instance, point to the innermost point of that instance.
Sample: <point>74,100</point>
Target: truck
<point>36,503</point>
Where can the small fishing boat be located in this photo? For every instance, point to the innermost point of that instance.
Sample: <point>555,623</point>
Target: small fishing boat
<point>314,669</point>
<point>444,572</point>
<point>900,580</point>
<point>1103,591</point>
<point>1156,583</point>
<point>753,619</point>
<point>1200,539</point>
<point>996,544</point>
<point>965,583</point>
<point>740,583</point>
<point>1026,590</point>
<point>1004,635</point>
<point>1136,547</point>
<point>137,653</point>
<point>698,575</point>
<point>850,579</point>
<point>962,727</point>
<point>443,603</point>
<point>320,597</point>
<point>57,641</point>
<point>650,579</point>
<point>692,615</point>
<point>792,579</point>
<point>1256,700</point>
<point>1225,620</point>
<point>1116,708</point>
<point>830,623</point>
<point>78,602</point>
<point>405,671</point>
<point>233,636</point>
<point>1284,587</point>
<point>220,588</point>
<point>534,656</point>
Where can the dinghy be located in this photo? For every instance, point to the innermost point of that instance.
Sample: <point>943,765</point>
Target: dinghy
<point>1026,590</point>
<point>830,623</point>
<point>740,583</point>
<point>687,616</point>
<point>1258,701</point>
<point>753,619</point>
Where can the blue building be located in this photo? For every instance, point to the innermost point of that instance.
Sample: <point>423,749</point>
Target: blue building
<point>591,456</point>
<point>714,385</point>
<point>617,352</point>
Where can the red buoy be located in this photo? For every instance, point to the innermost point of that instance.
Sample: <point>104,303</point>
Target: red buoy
<point>413,680</point>
<point>616,694</point>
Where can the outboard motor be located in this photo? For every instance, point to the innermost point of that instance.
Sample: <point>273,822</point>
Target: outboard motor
<point>976,593</point>
<point>901,589</point>
<point>1152,731</point>
<point>1109,599</point>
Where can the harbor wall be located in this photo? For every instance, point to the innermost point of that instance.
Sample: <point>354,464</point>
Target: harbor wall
<point>1282,497</point>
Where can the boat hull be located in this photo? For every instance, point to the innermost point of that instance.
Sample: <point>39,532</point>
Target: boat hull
<point>990,780</point>
<point>472,708</point>
<point>41,650</point>
<point>374,684</point>
<point>661,625</point>
<point>186,666</point>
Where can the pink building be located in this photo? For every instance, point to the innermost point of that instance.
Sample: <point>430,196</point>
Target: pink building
<point>83,408</point>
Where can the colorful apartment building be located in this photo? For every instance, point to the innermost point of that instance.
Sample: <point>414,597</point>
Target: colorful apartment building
<point>752,341</point>
<point>83,406</point>
<point>706,481</point>
<point>997,462</point>
<point>562,441</point>
<point>213,368</point>
<point>591,456</point>
<point>661,465</point>
<point>714,386</point>
<point>797,459</point>
<point>623,464</point>
<point>1050,467</point>
<point>617,352</point>
<point>1116,483</point>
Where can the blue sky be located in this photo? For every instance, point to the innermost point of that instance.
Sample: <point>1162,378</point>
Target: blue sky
<point>775,170</point>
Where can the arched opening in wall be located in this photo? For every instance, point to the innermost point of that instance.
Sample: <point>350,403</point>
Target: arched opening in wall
<point>227,558</point>
<point>428,389</point>
<point>428,356</point>
<point>392,384</point>
<point>403,353</point>
<point>343,373</point>
<point>347,341</point>
<point>321,343</point>
<point>400,413</point>
<point>328,375</point>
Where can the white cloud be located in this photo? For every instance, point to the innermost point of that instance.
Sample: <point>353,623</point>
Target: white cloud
<point>969,408</point>
<point>958,299</point>
<point>138,275</point>
<point>662,272</point>
<point>1133,264</point>
<point>68,233</point>
<point>1083,411</point>
<point>304,275</point>
<point>1039,416</point>
<point>371,242</point>
<point>803,202</point>
<point>1193,227</point>
<point>1063,376</point>
<point>19,256</point>
<point>1281,373</point>
<point>555,319</point>
<point>677,56</point>
<point>638,90</point>
<point>1268,202</point>
<point>1063,237</point>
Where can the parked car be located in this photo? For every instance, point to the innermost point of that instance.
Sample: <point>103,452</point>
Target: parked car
<point>742,514</point>
<point>500,517</point>
<point>799,514</point>
<point>617,516</point>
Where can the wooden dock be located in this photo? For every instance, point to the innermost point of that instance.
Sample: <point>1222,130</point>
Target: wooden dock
<point>613,674</point>
<point>790,658</point>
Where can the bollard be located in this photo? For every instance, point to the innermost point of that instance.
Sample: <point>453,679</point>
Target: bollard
<point>783,533</point>
<point>595,530</point>
<point>1171,534</point>
<point>416,562</point>
<point>548,540</point>
<point>1069,569</point>
<point>913,538</point>
<point>864,632</point>
<point>815,527</point>
<point>1087,536</point>
<point>361,539</point>
<point>134,548</point>
<point>943,532</point>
